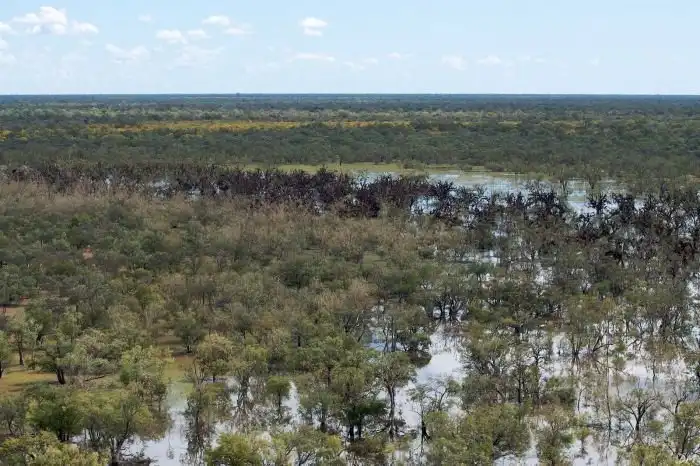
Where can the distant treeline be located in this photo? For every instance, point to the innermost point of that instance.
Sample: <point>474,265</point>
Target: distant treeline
<point>631,138</point>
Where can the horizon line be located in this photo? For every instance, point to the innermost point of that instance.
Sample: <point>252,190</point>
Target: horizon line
<point>349,94</point>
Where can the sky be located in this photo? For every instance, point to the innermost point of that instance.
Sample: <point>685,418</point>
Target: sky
<point>359,46</point>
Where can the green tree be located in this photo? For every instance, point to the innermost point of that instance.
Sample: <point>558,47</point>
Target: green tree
<point>215,355</point>
<point>394,371</point>
<point>189,329</point>
<point>553,435</point>
<point>43,449</point>
<point>94,355</point>
<point>278,388</point>
<point>247,367</point>
<point>113,419</point>
<point>23,332</point>
<point>236,450</point>
<point>142,370</point>
<point>56,409</point>
<point>57,343</point>
<point>482,436</point>
<point>355,387</point>
<point>207,405</point>
<point>5,352</point>
<point>654,455</point>
<point>306,445</point>
<point>13,414</point>
<point>685,433</point>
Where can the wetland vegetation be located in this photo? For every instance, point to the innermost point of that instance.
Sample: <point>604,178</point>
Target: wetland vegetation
<point>181,283</point>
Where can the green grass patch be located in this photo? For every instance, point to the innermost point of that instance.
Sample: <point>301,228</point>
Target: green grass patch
<point>356,168</point>
<point>17,378</point>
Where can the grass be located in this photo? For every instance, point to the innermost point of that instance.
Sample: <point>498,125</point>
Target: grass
<point>355,168</point>
<point>12,311</point>
<point>16,378</point>
<point>177,366</point>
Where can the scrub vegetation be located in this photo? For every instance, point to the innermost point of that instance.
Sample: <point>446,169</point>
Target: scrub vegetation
<point>148,245</point>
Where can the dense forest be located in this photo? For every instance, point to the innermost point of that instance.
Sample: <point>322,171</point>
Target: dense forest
<point>624,137</point>
<point>159,288</point>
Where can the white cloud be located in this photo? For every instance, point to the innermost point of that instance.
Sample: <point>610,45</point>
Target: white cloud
<point>397,56</point>
<point>217,20</point>
<point>84,28</point>
<point>5,28</point>
<point>121,55</point>
<point>46,15</point>
<point>531,59</point>
<point>73,57</point>
<point>58,29</point>
<point>145,18</point>
<point>7,58</point>
<point>53,21</point>
<point>231,28</point>
<point>197,34</point>
<point>239,30</point>
<point>172,36</point>
<point>3,44</point>
<point>455,61</point>
<point>261,68</point>
<point>313,57</point>
<point>354,66</point>
<point>594,61</point>
<point>192,55</point>
<point>491,60</point>
<point>313,26</point>
<point>361,65</point>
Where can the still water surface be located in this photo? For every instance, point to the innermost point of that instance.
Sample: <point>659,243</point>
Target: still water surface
<point>172,449</point>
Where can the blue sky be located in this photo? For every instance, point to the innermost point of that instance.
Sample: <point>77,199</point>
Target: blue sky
<point>445,46</point>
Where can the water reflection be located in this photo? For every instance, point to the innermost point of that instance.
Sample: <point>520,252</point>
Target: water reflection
<point>201,411</point>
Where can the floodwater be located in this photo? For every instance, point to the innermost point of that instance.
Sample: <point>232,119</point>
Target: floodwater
<point>172,449</point>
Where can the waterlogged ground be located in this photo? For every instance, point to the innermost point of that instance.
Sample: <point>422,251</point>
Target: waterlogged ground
<point>172,449</point>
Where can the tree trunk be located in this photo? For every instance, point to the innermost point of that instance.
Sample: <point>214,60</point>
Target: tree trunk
<point>324,414</point>
<point>392,409</point>
<point>60,376</point>
<point>243,393</point>
<point>423,431</point>
<point>115,452</point>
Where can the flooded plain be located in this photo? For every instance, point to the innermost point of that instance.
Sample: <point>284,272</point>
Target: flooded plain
<point>445,362</point>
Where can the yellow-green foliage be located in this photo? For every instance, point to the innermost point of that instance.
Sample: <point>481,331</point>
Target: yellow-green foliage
<point>200,126</point>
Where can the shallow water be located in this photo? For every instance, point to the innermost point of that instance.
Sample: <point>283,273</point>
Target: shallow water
<point>171,450</point>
